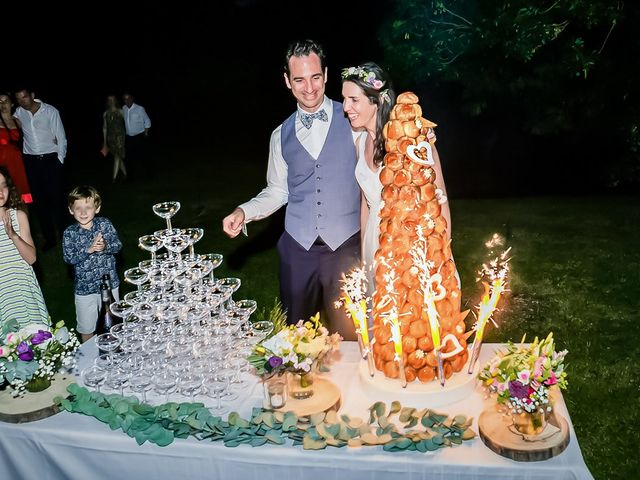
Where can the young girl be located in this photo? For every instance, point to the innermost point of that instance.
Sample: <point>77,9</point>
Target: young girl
<point>20,295</point>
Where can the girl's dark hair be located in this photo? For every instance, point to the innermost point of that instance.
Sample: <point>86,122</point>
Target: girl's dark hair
<point>304,48</point>
<point>367,76</point>
<point>14,200</point>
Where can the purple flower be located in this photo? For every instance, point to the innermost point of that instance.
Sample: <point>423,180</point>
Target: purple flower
<point>275,362</point>
<point>39,337</point>
<point>24,352</point>
<point>518,389</point>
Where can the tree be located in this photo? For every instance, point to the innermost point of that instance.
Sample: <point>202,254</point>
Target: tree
<point>561,68</point>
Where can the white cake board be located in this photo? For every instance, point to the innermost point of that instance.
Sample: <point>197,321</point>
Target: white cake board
<point>456,388</point>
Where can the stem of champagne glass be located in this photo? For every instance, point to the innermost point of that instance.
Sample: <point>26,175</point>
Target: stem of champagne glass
<point>192,252</point>
<point>168,223</point>
<point>153,256</point>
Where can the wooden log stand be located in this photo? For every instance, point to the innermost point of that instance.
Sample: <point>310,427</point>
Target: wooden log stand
<point>494,431</point>
<point>34,406</point>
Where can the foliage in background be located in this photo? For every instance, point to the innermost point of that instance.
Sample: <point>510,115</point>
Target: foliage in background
<point>560,66</point>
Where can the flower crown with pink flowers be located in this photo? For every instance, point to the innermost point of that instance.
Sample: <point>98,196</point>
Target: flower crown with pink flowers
<point>369,77</point>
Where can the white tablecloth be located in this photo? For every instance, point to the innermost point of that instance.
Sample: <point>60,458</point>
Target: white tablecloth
<point>74,446</point>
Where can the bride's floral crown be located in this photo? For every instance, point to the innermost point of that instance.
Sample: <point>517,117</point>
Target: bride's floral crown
<point>368,77</point>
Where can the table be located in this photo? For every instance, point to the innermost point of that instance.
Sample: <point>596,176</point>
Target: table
<point>74,446</point>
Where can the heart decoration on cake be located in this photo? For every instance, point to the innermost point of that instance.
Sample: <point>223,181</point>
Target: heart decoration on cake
<point>450,337</point>
<point>421,153</point>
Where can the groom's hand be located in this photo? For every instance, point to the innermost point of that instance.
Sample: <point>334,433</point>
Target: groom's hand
<point>232,223</point>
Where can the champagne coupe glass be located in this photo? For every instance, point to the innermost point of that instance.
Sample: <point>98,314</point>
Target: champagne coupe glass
<point>245,307</point>
<point>166,210</point>
<point>108,343</point>
<point>93,376</point>
<point>176,244</point>
<point>216,261</point>
<point>231,284</point>
<point>195,235</point>
<point>150,243</point>
<point>163,382</point>
<point>189,383</point>
<point>140,382</point>
<point>116,378</point>
<point>121,309</point>
<point>216,386</point>
<point>261,329</point>
<point>136,276</point>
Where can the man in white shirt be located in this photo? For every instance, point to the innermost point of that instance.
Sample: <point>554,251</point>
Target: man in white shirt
<point>311,168</point>
<point>44,150</point>
<point>137,124</point>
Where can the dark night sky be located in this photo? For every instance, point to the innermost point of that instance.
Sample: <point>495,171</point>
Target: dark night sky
<point>190,75</point>
<point>180,64</point>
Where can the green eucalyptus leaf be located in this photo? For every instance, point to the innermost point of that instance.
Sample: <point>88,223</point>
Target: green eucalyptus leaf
<point>332,430</point>
<point>275,438</point>
<point>412,423</point>
<point>317,418</point>
<point>378,410</point>
<point>396,406</point>
<point>309,443</point>
<point>289,422</point>
<point>468,434</point>
<point>258,441</point>
<point>406,413</point>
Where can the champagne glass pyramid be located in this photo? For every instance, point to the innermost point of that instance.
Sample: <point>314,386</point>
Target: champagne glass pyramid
<point>166,210</point>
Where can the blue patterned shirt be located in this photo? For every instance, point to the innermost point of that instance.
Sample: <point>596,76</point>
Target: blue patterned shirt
<point>90,267</point>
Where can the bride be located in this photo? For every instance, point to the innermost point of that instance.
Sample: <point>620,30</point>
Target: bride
<point>368,99</point>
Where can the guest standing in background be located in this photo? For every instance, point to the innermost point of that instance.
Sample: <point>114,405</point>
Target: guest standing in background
<point>10,153</point>
<point>137,124</point>
<point>113,133</point>
<point>44,150</point>
<point>20,294</point>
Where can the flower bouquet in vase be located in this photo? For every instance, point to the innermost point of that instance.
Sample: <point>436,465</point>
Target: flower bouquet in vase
<point>297,351</point>
<point>30,356</point>
<point>522,377</point>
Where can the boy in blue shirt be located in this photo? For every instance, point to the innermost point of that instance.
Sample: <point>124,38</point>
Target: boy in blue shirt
<point>90,245</point>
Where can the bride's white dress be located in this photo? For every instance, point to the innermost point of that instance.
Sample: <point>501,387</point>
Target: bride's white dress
<point>371,186</point>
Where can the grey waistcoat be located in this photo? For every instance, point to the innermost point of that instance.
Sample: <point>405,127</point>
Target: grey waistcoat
<point>324,196</point>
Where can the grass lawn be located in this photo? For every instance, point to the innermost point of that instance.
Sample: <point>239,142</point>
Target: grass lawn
<point>575,271</point>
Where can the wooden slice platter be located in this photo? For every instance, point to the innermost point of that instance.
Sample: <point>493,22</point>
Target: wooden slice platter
<point>494,431</point>
<point>326,396</point>
<point>34,406</point>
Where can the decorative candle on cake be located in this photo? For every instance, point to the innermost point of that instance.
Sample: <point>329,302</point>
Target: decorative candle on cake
<point>494,278</point>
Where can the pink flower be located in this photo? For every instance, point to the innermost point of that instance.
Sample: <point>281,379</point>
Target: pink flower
<point>4,351</point>
<point>524,376</point>
<point>552,379</point>
<point>538,368</point>
<point>377,84</point>
<point>10,337</point>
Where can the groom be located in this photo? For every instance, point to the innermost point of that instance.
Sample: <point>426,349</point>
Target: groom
<point>311,168</point>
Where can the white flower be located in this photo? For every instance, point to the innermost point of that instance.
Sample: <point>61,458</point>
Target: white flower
<point>278,345</point>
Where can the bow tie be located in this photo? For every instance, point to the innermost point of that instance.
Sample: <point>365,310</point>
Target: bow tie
<point>308,118</point>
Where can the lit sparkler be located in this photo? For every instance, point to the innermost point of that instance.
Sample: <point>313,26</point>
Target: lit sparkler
<point>494,278</point>
<point>354,286</point>
<point>432,291</point>
<point>391,318</point>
